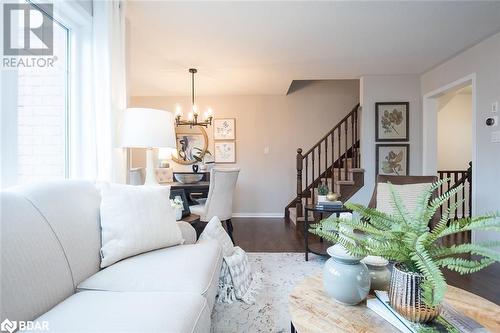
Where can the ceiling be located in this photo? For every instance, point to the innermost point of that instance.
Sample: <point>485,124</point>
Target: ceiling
<point>248,48</point>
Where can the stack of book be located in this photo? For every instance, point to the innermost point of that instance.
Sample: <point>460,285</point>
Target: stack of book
<point>329,204</point>
<point>450,320</point>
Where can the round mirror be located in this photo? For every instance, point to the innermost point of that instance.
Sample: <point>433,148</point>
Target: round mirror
<point>192,144</point>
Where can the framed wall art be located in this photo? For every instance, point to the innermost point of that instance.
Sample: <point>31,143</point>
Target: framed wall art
<point>191,142</point>
<point>393,159</point>
<point>225,129</point>
<point>392,121</point>
<point>225,151</point>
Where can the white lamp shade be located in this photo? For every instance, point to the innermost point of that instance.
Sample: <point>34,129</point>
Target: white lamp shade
<point>148,128</point>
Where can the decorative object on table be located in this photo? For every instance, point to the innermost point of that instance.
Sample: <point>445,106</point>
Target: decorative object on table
<point>148,128</point>
<point>449,320</point>
<point>192,144</point>
<point>164,175</point>
<point>188,178</point>
<point>225,152</point>
<point>345,277</point>
<point>136,176</point>
<point>380,275</point>
<point>332,196</point>
<point>181,194</point>
<point>177,206</point>
<point>393,159</point>
<point>322,192</point>
<point>330,205</point>
<point>204,159</point>
<point>224,129</point>
<point>195,168</point>
<point>392,121</point>
<point>194,114</point>
<point>410,240</point>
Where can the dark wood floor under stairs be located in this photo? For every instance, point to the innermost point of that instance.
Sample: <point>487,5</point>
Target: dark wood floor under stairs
<point>276,235</point>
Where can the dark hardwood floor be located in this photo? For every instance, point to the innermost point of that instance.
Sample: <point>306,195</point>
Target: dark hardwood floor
<point>274,235</point>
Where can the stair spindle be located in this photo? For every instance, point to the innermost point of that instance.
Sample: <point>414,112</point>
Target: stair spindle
<point>353,149</point>
<point>333,163</point>
<point>299,183</point>
<point>339,160</point>
<point>345,151</point>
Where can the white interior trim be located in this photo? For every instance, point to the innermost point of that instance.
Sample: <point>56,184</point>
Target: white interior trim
<point>429,149</point>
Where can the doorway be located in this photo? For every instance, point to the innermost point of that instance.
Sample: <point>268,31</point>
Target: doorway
<point>449,142</point>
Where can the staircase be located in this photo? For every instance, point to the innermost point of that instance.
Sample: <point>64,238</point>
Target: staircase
<point>334,160</point>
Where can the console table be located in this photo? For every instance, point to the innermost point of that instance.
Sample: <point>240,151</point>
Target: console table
<point>313,311</point>
<point>322,211</point>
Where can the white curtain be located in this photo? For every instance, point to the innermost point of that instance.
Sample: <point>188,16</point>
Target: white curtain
<point>109,90</point>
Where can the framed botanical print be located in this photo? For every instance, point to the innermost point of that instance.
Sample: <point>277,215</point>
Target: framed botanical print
<point>225,129</point>
<point>392,121</point>
<point>393,159</point>
<point>225,151</point>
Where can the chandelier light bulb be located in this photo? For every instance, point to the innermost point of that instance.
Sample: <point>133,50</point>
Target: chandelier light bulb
<point>178,110</point>
<point>190,115</point>
<point>195,109</point>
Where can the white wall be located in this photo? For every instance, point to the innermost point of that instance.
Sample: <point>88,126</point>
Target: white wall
<point>484,60</point>
<point>267,181</point>
<point>454,129</point>
<point>399,88</point>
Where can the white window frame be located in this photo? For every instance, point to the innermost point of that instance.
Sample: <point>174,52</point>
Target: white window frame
<point>78,21</point>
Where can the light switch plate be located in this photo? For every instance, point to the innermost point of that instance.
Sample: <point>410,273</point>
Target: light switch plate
<point>495,136</point>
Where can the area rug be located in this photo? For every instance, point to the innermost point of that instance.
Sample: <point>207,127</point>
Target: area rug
<point>280,273</point>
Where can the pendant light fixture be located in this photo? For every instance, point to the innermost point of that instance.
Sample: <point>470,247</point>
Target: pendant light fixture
<point>193,115</point>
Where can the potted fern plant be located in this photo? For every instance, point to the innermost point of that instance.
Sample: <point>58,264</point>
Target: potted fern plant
<point>417,284</point>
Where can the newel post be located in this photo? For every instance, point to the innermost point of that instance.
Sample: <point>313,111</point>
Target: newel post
<point>299,183</point>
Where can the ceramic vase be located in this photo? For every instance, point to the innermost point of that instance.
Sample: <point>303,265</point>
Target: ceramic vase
<point>345,278</point>
<point>178,214</point>
<point>380,275</point>
<point>405,296</point>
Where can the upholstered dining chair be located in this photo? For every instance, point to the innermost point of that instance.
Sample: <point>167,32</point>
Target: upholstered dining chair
<point>219,201</point>
<point>409,188</point>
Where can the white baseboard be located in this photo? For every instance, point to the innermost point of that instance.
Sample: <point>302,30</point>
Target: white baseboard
<point>268,215</point>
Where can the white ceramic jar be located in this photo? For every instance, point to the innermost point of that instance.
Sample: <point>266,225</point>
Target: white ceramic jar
<point>345,278</point>
<point>380,275</point>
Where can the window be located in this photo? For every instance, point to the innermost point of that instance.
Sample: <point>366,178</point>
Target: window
<point>42,106</point>
<point>42,115</point>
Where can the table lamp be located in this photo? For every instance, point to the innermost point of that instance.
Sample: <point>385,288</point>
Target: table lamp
<point>148,128</point>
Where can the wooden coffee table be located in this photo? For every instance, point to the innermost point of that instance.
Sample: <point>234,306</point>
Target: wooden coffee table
<point>312,311</point>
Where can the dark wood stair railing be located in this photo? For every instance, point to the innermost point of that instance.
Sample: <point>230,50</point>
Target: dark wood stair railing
<point>328,160</point>
<point>463,197</point>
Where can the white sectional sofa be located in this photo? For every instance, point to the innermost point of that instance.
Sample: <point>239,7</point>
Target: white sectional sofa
<point>50,256</point>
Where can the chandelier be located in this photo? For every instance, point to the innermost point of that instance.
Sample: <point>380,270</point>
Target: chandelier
<point>193,115</point>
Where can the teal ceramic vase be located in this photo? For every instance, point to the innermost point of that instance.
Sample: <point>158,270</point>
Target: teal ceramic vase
<point>345,278</point>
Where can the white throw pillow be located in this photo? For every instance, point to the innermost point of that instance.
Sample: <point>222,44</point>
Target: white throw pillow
<point>409,193</point>
<point>215,230</point>
<point>135,219</point>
